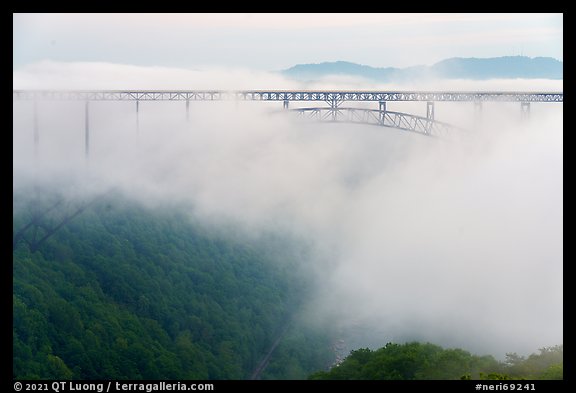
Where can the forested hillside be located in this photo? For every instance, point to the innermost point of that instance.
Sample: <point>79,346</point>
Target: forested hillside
<point>426,361</point>
<point>125,292</point>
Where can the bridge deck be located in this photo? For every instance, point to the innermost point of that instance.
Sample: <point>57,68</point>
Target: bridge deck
<point>285,95</point>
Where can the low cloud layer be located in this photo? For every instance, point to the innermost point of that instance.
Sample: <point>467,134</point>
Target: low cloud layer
<point>457,241</point>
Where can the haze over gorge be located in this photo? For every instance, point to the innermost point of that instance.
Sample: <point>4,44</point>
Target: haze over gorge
<point>203,245</point>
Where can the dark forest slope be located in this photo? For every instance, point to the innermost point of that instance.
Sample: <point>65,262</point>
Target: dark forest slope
<point>125,292</point>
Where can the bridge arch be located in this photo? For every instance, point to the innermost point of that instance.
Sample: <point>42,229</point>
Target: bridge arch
<point>398,120</point>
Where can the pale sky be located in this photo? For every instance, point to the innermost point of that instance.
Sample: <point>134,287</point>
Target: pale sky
<point>277,41</point>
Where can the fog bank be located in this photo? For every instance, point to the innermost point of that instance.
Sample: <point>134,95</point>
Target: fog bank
<point>455,241</point>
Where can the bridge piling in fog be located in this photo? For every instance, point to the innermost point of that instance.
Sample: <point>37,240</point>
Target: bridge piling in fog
<point>137,117</point>
<point>87,131</point>
<point>430,110</point>
<point>36,130</point>
<point>525,110</point>
<point>381,111</point>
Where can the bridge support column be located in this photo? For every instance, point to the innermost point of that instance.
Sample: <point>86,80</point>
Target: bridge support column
<point>285,105</point>
<point>188,110</point>
<point>429,116</point>
<point>137,117</point>
<point>430,110</point>
<point>382,111</point>
<point>477,108</point>
<point>524,110</point>
<point>87,131</point>
<point>334,104</point>
<point>477,113</point>
<point>36,131</point>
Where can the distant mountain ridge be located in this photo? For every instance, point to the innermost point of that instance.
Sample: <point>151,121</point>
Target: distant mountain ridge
<point>453,68</point>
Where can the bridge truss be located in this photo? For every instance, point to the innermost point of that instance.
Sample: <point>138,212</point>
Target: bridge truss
<point>284,95</point>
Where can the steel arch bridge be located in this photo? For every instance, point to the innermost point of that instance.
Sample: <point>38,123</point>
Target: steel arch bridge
<point>333,112</point>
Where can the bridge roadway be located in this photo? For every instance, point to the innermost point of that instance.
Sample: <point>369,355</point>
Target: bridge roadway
<point>286,95</point>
